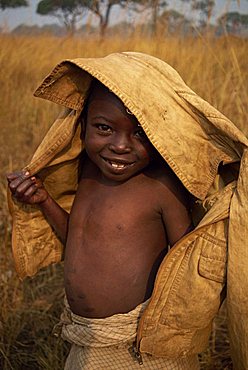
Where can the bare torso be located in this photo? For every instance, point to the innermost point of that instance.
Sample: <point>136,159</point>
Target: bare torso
<point>116,241</point>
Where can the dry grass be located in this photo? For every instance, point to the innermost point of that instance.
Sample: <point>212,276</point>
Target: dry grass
<point>216,69</point>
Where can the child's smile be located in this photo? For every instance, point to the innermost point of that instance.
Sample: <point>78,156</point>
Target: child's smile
<point>117,164</point>
<point>114,140</point>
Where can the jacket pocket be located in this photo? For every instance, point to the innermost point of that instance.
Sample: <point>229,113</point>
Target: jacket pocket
<point>195,293</point>
<point>213,258</point>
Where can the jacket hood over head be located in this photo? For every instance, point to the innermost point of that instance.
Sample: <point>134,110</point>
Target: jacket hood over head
<point>176,120</point>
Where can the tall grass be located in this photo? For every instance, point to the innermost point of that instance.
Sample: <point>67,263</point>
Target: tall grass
<point>214,68</point>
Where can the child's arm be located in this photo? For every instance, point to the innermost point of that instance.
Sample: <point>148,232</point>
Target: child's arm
<point>177,219</point>
<point>30,190</point>
<point>176,212</point>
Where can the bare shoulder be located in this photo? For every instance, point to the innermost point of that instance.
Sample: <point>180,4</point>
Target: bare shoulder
<point>167,183</point>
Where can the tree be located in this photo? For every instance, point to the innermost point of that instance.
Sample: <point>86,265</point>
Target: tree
<point>233,22</point>
<point>155,7</point>
<point>173,21</point>
<point>12,3</point>
<point>68,12</point>
<point>205,7</point>
<point>102,9</point>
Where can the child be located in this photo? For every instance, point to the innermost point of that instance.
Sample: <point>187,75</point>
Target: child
<point>140,126</point>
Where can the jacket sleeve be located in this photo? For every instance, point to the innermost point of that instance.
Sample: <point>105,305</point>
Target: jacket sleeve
<point>34,242</point>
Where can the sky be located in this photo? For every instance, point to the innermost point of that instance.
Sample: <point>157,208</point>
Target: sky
<point>11,18</point>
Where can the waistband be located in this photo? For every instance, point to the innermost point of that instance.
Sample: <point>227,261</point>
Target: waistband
<point>113,330</point>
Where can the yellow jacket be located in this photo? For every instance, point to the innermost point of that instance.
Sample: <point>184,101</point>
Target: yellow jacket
<point>194,139</point>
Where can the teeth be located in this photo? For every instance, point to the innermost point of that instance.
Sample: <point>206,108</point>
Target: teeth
<point>117,165</point>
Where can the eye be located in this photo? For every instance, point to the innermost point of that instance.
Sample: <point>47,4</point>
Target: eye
<point>140,134</point>
<point>103,127</point>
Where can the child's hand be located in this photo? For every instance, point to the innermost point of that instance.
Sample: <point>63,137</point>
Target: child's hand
<point>27,189</point>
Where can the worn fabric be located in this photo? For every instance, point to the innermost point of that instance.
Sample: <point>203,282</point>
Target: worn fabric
<point>113,330</point>
<point>120,358</point>
<point>109,343</point>
<point>194,139</point>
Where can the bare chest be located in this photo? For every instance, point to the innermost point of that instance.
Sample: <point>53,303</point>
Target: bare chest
<point>116,210</point>
<point>115,243</point>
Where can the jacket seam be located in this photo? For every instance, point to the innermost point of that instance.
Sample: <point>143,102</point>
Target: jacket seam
<point>213,240</point>
<point>56,99</point>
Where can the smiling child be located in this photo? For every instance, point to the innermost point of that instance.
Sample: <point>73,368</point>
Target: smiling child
<point>114,181</point>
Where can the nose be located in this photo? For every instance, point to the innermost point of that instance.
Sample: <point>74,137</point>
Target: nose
<point>120,144</point>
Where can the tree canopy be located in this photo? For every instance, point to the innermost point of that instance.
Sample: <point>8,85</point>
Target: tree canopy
<point>102,10</point>
<point>12,3</point>
<point>68,12</point>
<point>205,8</point>
<point>233,21</point>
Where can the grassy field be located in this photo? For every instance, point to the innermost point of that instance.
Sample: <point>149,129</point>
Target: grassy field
<point>216,69</point>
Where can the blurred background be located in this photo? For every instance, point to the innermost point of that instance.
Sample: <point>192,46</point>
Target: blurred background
<point>81,17</point>
<point>205,40</point>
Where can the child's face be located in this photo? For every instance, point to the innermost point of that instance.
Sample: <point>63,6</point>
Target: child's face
<point>114,140</point>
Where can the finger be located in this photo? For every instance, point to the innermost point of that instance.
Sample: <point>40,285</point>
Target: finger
<point>37,181</point>
<point>18,189</point>
<point>14,175</point>
<point>33,195</point>
<point>30,192</point>
<point>18,180</point>
<point>11,176</point>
